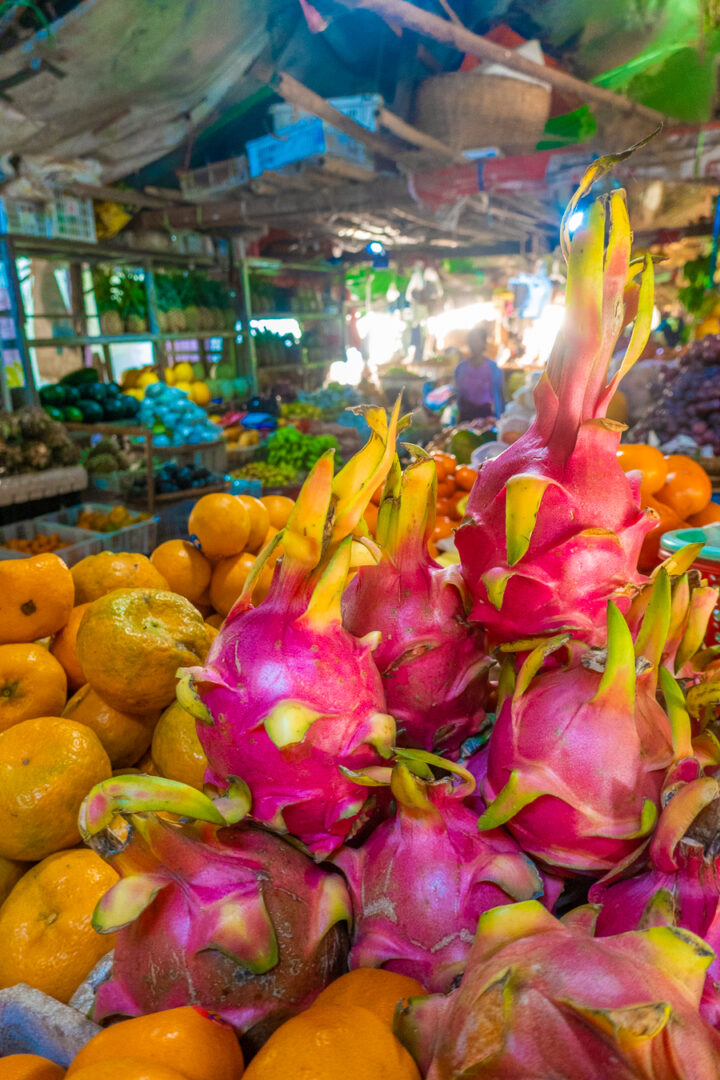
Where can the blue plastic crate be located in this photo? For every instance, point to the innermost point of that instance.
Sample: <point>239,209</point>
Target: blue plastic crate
<point>271,152</point>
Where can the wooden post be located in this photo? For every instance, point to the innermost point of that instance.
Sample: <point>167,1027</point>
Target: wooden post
<point>401,13</point>
<point>17,314</point>
<point>246,316</point>
<point>158,350</point>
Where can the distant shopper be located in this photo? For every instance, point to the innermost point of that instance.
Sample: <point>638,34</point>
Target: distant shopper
<point>478,380</point>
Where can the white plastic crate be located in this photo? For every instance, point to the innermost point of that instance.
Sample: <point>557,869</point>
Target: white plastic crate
<point>192,243</point>
<point>71,218</point>
<point>358,107</point>
<point>217,179</point>
<point>80,542</point>
<point>23,217</point>
<point>140,537</point>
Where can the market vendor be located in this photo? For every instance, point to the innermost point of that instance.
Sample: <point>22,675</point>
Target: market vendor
<point>478,380</point>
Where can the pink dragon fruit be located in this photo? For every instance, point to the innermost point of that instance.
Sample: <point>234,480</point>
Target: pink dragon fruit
<point>578,755</point>
<point>234,919</point>
<point>541,997</point>
<point>554,526</point>
<point>422,879</point>
<point>677,878</point>
<point>434,665</point>
<point>286,694</point>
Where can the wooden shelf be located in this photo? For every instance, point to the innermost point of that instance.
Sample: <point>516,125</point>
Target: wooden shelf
<point>258,265</point>
<point>46,247</point>
<point>126,339</point>
<point>104,427</point>
<point>301,316</point>
<point>187,493</point>
<point>267,368</point>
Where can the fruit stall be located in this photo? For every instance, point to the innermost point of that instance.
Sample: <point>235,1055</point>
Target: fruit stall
<point>347,732</point>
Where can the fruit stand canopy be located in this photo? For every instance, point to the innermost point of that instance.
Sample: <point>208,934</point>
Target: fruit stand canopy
<point>96,92</point>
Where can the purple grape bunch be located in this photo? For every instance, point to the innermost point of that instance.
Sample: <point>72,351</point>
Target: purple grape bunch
<point>689,402</point>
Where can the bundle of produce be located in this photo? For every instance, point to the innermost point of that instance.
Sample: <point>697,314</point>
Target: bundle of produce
<point>175,420</point>
<point>332,400</point>
<point>268,475</point>
<point>187,300</point>
<point>455,482</point>
<point>106,456</point>
<point>689,403</point>
<point>31,441</point>
<point>84,399</point>
<point>107,521</point>
<point>35,545</point>
<point>172,477</point>
<point>288,446</point>
<point>300,410</point>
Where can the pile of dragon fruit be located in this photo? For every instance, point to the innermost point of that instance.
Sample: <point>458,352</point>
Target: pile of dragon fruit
<point>500,777</point>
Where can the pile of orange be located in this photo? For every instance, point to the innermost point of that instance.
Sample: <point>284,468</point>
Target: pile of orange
<point>228,532</point>
<point>88,672</point>
<point>454,485</point>
<point>97,693</point>
<point>676,487</point>
<point>346,1034</point>
<point>178,1044</point>
<point>88,662</point>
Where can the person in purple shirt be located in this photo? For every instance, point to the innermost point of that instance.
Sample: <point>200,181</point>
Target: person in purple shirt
<point>478,380</point>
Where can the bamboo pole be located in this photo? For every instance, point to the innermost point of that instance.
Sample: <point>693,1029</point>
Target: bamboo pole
<point>411,135</point>
<point>401,13</point>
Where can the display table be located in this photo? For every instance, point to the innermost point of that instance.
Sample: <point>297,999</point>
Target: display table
<point>213,455</point>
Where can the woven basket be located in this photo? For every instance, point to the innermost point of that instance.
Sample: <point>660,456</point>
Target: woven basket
<point>467,110</point>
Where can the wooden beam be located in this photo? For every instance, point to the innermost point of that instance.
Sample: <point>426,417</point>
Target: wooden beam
<point>447,251</point>
<point>251,208</point>
<point>107,193</point>
<point>298,94</point>
<point>401,13</point>
<point>411,135</point>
